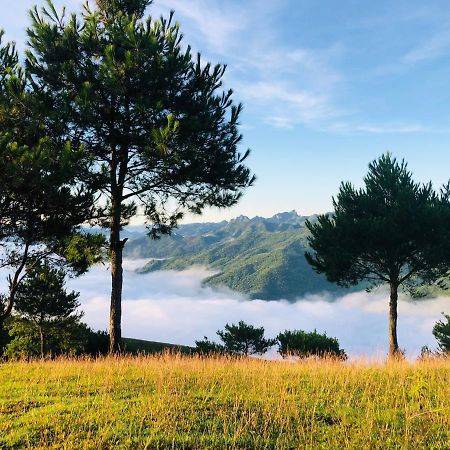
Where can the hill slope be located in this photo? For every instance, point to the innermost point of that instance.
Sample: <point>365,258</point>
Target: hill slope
<point>261,257</point>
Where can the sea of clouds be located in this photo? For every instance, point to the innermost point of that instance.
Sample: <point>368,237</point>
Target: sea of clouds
<point>175,307</point>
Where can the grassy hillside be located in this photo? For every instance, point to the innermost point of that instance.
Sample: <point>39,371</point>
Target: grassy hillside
<point>136,346</point>
<point>263,258</point>
<point>175,402</point>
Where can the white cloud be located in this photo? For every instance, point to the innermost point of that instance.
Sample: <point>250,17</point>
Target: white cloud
<point>283,86</point>
<point>217,24</point>
<point>290,106</point>
<point>175,307</point>
<point>385,128</point>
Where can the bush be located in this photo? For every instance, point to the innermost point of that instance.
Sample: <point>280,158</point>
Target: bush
<point>302,344</point>
<point>71,337</point>
<point>244,339</point>
<point>207,347</point>
<point>97,343</point>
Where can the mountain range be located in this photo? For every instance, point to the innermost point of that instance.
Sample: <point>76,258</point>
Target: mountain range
<point>260,257</point>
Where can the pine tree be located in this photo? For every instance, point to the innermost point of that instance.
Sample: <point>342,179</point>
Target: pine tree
<point>43,300</point>
<point>162,134</point>
<point>392,231</point>
<point>441,332</point>
<point>244,339</point>
<point>43,201</point>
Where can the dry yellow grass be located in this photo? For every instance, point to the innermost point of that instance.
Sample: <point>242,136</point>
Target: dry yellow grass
<point>183,402</point>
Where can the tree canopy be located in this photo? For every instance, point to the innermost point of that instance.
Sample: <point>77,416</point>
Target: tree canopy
<point>43,300</point>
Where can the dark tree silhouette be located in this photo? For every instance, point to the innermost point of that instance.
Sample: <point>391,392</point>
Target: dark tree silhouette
<point>441,332</point>
<point>303,344</point>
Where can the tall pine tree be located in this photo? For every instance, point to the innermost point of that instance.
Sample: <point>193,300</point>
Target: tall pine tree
<point>392,231</point>
<point>163,135</point>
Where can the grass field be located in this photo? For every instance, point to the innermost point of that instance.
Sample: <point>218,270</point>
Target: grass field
<point>187,402</point>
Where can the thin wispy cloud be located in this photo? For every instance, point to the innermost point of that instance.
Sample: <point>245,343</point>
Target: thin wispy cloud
<point>434,47</point>
<point>384,128</point>
<point>287,86</point>
<point>291,85</point>
<point>286,82</point>
<point>215,25</point>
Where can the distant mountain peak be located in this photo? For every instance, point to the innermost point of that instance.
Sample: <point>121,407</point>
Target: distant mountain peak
<point>285,216</point>
<point>240,219</point>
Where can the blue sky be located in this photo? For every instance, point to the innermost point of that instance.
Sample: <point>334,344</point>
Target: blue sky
<point>326,86</point>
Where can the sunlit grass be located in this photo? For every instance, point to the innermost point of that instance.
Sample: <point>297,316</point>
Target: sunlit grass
<point>187,402</point>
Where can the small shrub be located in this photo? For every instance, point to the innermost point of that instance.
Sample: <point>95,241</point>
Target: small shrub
<point>207,347</point>
<point>241,339</point>
<point>302,344</point>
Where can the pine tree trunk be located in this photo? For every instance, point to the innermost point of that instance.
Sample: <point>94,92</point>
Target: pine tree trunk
<point>42,336</point>
<point>393,343</point>
<point>116,250</point>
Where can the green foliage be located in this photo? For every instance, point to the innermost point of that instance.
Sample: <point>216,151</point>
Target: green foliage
<point>240,339</point>
<point>42,297</point>
<point>43,303</point>
<point>244,339</point>
<point>97,343</point>
<point>388,231</point>
<point>393,230</point>
<point>65,337</point>
<point>128,7</point>
<point>441,332</point>
<point>303,344</point>
<point>207,347</point>
<point>43,195</point>
<point>82,250</point>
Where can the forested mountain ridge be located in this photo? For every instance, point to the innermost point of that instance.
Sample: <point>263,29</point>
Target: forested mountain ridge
<point>261,257</point>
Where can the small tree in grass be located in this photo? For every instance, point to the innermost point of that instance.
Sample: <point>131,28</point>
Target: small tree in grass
<point>303,344</point>
<point>66,337</point>
<point>393,231</point>
<point>441,332</point>
<point>43,302</point>
<point>240,339</point>
<point>244,339</point>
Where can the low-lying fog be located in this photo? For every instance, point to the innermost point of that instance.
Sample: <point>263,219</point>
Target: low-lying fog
<point>174,307</point>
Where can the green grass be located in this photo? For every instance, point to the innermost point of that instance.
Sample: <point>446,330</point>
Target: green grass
<point>194,403</point>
